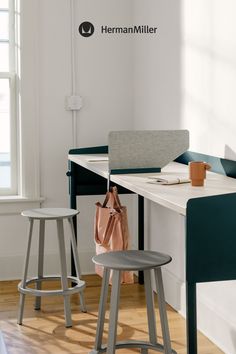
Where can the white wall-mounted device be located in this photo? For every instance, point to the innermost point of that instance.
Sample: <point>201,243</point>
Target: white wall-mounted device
<point>73,103</point>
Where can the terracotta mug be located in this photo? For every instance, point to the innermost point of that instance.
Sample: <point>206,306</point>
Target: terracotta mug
<point>197,172</point>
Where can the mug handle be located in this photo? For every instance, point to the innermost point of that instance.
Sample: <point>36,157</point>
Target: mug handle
<point>207,166</point>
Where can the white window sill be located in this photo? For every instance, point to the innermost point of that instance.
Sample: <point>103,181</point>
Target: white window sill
<point>16,204</point>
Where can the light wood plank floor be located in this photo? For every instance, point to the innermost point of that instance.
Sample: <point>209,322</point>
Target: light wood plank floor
<point>44,332</point>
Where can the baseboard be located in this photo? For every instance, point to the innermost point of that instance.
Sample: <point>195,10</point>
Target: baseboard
<point>174,290</point>
<point>217,327</point>
<point>3,349</point>
<point>11,266</point>
<point>87,266</point>
<point>212,322</point>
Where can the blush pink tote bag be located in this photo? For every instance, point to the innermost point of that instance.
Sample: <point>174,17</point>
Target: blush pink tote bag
<point>111,230</point>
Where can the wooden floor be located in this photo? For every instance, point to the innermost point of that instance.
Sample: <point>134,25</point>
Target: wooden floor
<point>44,332</point>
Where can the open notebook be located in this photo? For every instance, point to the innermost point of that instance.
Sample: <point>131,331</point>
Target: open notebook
<point>168,180</point>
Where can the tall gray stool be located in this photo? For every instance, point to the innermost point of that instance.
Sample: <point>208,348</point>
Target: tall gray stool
<point>57,214</point>
<point>132,260</point>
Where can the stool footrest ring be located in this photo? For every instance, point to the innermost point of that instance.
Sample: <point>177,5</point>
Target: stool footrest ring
<point>80,285</point>
<point>133,344</point>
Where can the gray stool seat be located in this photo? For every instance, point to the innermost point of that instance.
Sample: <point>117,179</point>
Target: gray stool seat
<point>42,215</point>
<point>50,213</point>
<point>132,260</point>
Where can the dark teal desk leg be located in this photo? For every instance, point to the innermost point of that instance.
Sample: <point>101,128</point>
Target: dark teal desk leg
<point>73,205</point>
<point>210,237</point>
<point>191,312</point>
<point>140,231</point>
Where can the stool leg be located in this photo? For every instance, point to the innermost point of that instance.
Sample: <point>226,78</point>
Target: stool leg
<point>150,307</point>
<point>82,302</point>
<point>64,281</point>
<point>162,310</point>
<point>115,295</point>
<point>26,265</point>
<point>37,305</point>
<point>76,260</point>
<point>102,309</point>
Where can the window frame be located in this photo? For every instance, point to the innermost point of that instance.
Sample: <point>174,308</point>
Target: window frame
<point>11,76</point>
<point>27,79</point>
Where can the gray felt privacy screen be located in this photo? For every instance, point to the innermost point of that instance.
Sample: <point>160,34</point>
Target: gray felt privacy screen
<point>145,148</point>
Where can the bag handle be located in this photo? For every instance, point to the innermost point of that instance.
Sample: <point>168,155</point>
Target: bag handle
<point>112,194</point>
<point>116,196</point>
<point>106,199</point>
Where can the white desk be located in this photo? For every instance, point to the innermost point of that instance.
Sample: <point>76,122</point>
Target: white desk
<point>210,250</point>
<point>174,197</point>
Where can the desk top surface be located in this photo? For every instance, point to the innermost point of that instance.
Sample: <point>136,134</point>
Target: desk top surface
<point>174,197</point>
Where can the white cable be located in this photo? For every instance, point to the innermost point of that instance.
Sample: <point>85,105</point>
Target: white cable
<point>73,73</point>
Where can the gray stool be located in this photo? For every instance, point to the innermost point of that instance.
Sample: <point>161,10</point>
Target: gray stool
<point>42,215</point>
<point>132,260</point>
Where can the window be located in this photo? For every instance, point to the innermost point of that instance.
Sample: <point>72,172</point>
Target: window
<point>8,159</point>
<point>19,112</point>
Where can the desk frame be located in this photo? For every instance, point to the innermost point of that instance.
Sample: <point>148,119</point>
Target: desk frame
<point>85,182</point>
<point>210,228</point>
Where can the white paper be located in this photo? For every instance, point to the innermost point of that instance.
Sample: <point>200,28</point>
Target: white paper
<point>168,180</point>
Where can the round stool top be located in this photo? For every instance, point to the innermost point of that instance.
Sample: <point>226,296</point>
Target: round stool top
<point>131,260</point>
<point>50,213</point>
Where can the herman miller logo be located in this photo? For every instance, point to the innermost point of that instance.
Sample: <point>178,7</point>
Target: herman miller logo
<point>86,29</point>
<point>141,29</point>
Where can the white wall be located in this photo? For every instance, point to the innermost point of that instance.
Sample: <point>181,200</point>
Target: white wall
<point>186,78</point>
<point>103,80</point>
<point>104,64</point>
<point>157,66</point>
<point>209,75</point>
<point>182,78</point>
<point>208,111</point>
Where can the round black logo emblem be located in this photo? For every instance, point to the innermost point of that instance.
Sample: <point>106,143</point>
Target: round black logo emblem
<point>86,29</point>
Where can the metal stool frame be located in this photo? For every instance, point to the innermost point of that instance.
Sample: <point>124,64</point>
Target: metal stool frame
<point>112,345</point>
<point>65,291</point>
